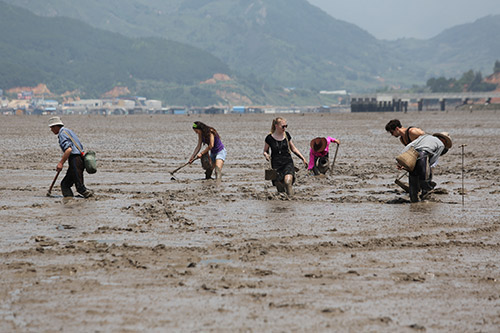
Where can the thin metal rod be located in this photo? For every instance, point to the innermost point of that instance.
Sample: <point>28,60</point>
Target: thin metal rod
<point>463,169</point>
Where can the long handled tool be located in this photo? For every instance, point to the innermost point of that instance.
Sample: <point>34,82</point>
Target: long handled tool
<point>401,184</point>
<point>53,182</point>
<point>463,187</point>
<point>182,166</point>
<point>334,158</point>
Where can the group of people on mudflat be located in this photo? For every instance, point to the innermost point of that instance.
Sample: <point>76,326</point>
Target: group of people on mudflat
<point>427,149</point>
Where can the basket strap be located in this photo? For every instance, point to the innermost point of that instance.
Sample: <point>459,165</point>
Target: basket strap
<point>71,138</point>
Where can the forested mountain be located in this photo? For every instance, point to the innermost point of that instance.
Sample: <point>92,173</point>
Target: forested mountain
<point>287,43</point>
<point>456,50</point>
<point>290,42</point>
<point>70,55</point>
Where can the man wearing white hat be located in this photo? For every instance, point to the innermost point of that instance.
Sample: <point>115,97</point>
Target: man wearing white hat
<point>72,152</point>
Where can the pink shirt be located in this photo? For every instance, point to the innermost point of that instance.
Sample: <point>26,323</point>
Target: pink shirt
<point>313,154</point>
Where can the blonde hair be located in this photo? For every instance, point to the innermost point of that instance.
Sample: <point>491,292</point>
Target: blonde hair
<point>275,121</point>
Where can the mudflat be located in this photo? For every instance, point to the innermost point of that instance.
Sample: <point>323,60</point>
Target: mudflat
<point>346,253</point>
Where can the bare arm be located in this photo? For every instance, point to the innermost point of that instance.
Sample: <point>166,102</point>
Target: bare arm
<point>210,146</point>
<point>297,152</point>
<point>196,150</point>
<point>266,151</point>
<point>64,158</point>
<point>415,132</point>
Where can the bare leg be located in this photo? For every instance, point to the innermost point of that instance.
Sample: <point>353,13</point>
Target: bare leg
<point>218,169</point>
<point>288,184</point>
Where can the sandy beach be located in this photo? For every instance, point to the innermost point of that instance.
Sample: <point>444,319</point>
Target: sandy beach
<point>347,252</point>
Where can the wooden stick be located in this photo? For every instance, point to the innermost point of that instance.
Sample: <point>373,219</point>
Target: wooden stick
<point>334,158</point>
<point>182,166</point>
<point>53,182</point>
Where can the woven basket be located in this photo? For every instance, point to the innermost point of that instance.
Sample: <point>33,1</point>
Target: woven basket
<point>270,173</point>
<point>408,159</point>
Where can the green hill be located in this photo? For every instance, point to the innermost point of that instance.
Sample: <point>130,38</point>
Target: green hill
<point>454,51</point>
<point>285,42</point>
<point>289,43</point>
<point>469,46</point>
<point>69,55</point>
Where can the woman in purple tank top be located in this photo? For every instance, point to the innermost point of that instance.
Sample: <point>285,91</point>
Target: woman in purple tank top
<point>214,155</point>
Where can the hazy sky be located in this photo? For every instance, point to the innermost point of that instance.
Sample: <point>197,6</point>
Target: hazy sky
<point>392,19</point>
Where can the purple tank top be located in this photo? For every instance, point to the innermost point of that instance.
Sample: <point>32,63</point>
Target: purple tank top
<point>218,146</point>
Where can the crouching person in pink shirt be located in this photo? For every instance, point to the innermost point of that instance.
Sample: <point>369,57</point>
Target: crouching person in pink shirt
<point>318,155</point>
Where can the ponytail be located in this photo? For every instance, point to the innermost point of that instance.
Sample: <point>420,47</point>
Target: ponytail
<point>275,121</point>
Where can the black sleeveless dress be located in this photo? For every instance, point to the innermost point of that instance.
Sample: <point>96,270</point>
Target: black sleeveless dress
<point>281,159</point>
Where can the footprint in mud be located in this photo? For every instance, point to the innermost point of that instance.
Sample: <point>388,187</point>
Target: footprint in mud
<point>65,227</point>
<point>45,241</point>
<point>408,277</point>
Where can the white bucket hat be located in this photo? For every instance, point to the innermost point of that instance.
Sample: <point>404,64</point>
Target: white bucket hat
<point>54,121</point>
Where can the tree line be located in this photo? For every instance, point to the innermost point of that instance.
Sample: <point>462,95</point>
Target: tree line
<point>470,81</point>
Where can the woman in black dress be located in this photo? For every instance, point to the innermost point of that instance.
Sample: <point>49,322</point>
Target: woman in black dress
<point>280,142</point>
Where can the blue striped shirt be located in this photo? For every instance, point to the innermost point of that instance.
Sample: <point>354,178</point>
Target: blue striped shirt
<point>65,141</point>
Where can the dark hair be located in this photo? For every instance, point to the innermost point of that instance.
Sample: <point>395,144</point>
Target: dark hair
<point>205,130</point>
<point>392,125</point>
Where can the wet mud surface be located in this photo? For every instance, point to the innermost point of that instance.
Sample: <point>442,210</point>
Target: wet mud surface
<point>347,252</point>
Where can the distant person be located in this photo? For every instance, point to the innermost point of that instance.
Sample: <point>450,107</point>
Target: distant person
<point>214,155</point>
<point>429,148</point>
<point>318,155</point>
<point>280,142</point>
<point>72,152</point>
<point>406,135</point>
